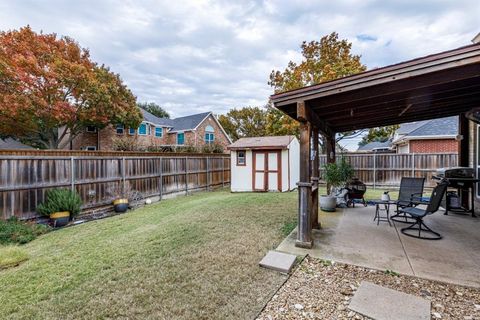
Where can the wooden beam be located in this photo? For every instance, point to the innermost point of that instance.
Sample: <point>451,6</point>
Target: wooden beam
<point>452,69</point>
<point>464,142</point>
<point>305,114</point>
<point>315,178</point>
<point>447,111</point>
<point>304,235</point>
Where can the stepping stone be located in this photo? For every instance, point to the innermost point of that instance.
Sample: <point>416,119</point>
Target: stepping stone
<point>278,261</point>
<point>382,303</point>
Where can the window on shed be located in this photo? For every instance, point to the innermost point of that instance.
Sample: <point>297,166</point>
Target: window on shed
<point>131,131</point>
<point>241,158</point>
<point>91,129</point>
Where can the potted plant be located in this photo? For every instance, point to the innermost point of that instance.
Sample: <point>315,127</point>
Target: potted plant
<point>61,205</point>
<point>336,175</point>
<point>124,197</point>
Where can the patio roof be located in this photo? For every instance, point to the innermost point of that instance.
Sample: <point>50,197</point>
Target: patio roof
<point>434,86</point>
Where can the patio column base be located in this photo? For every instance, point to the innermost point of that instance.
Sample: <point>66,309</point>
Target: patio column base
<point>305,245</point>
<point>304,234</point>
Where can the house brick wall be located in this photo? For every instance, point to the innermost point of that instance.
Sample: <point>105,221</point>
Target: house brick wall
<point>105,138</point>
<point>220,137</point>
<point>434,146</point>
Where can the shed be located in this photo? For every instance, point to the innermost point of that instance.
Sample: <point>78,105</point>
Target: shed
<point>265,164</point>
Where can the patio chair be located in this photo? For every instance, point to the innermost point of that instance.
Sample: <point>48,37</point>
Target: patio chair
<point>411,189</point>
<point>419,214</point>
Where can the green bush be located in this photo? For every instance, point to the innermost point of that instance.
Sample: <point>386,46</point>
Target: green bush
<point>212,148</point>
<point>15,231</point>
<point>337,174</point>
<point>58,200</point>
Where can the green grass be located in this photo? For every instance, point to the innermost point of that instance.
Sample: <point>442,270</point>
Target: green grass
<point>15,231</point>
<point>11,256</point>
<point>192,257</point>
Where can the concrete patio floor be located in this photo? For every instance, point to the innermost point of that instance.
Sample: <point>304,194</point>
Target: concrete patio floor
<point>351,236</point>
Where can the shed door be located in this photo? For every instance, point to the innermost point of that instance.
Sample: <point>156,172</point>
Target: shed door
<point>267,170</point>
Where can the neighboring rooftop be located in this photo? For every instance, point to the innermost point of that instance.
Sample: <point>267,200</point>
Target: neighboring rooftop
<point>262,142</point>
<point>375,146</point>
<point>188,122</point>
<point>442,127</point>
<point>178,124</point>
<point>10,143</point>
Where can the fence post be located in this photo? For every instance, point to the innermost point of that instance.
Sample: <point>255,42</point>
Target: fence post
<point>161,178</point>
<point>223,172</point>
<point>208,173</point>
<point>374,170</point>
<point>413,164</point>
<point>186,175</point>
<point>123,175</point>
<point>72,173</point>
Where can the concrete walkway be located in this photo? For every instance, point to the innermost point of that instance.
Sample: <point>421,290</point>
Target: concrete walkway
<point>351,236</point>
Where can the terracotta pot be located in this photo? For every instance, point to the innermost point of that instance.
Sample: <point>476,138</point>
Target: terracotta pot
<point>60,219</point>
<point>120,205</point>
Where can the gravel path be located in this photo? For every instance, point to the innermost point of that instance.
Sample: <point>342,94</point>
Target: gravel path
<point>319,289</point>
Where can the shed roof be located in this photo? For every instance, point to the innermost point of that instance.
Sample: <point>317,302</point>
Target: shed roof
<point>434,86</point>
<point>271,142</point>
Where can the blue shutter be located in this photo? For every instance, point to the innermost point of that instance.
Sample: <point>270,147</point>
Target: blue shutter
<point>180,138</point>
<point>142,130</point>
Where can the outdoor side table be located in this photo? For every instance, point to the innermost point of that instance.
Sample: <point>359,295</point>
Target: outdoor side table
<point>382,206</point>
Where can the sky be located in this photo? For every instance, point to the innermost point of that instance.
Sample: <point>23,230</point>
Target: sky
<point>196,56</point>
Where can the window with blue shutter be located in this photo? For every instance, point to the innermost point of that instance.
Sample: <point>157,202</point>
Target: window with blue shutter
<point>142,130</point>
<point>181,138</point>
<point>158,132</point>
<point>120,128</point>
<point>209,136</point>
<point>131,131</point>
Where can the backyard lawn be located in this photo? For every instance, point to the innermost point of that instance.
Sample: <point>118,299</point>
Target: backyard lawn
<point>188,257</point>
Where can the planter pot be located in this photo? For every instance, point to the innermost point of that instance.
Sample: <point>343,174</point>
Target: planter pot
<point>328,203</point>
<point>120,205</point>
<point>60,219</point>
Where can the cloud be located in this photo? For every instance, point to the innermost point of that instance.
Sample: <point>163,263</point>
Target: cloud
<point>194,56</point>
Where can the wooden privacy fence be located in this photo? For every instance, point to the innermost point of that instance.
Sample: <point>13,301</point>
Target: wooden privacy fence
<point>386,170</point>
<point>25,179</point>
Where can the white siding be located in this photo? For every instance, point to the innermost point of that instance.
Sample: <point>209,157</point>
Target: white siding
<point>294,148</point>
<point>241,179</point>
<point>242,176</point>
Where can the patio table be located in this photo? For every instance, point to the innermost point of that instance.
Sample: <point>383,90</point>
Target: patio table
<point>382,206</point>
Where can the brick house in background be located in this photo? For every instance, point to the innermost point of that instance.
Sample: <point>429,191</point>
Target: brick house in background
<point>429,136</point>
<point>194,130</point>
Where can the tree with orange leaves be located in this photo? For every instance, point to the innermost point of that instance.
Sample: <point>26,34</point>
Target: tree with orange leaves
<point>50,90</point>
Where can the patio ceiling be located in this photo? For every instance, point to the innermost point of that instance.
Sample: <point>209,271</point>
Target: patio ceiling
<point>435,86</point>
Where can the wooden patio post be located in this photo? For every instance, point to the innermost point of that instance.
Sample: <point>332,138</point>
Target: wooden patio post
<point>315,177</point>
<point>304,235</point>
<point>330,150</point>
<point>463,151</point>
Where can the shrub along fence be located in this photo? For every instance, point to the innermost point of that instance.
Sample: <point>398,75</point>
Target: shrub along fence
<point>386,170</point>
<point>25,178</point>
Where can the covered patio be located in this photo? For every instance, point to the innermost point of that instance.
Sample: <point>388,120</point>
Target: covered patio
<point>435,86</point>
<point>351,236</point>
